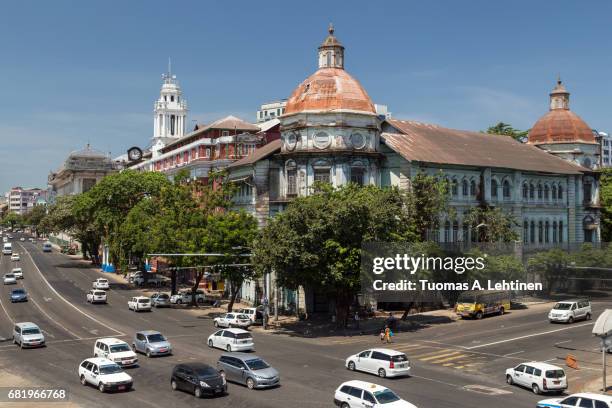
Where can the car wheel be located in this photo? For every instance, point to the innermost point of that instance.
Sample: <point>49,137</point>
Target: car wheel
<point>345,405</point>
<point>229,348</point>
<point>250,383</point>
<point>222,373</point>
<point>210,343</point>
<point>101,387</point>
<point>149,353</point>
<point>509,380</point>
<point>382,373</point>
<point>173,385</point>
<point>216,324</point>
<point>179,301</point>
<point>83,380</point>
<point>479,315</point>
<point>535,389</point>
<point>588,316</point>
<point>198,392</point>
<point>501,311</point>
<point>571,319</point>
<point>200,300</point>
<point>134,348</point>
<point>351,365</point>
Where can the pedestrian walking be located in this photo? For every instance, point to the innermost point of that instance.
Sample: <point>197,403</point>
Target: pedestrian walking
<point>387,334</point>
<point>356,320</point>
<point>382,335</point>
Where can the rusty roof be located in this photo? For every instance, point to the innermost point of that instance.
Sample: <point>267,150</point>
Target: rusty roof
<point>429,143</point>
<point>329,89</point>
<point>259,154</point>
<point>561,126</point>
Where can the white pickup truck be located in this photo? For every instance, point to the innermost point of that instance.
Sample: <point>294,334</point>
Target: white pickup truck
<point>184,297</point>
<point>152,279</point>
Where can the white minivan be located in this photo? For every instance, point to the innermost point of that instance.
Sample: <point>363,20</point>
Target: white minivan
<point>380,361</point>
<point>569,311</point>
<point>7,248</point>
<point>115,350</point>
<point>539,377</point>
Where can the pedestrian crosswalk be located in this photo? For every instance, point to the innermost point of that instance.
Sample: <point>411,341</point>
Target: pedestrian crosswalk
<point>430,353</point>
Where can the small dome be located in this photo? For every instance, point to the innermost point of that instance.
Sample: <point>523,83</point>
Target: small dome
<point>560,126</point>
<point>329,89</point>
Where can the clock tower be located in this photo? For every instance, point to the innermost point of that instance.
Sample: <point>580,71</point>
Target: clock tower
<point>170,113</point>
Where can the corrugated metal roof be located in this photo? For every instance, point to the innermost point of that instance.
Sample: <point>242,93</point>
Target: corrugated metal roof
<point>259,154</point>
<point>429,143</point>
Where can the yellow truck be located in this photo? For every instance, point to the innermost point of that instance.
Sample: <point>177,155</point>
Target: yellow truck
<point>479,303</point>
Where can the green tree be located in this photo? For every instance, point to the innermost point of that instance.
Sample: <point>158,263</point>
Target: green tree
<point>605,196</point>
<point>427,199</point>
<point>12,220</point>
<point>35,216</point>
<point>492,224</point>
<point>506,129</point>
<point>551,266</point>
<point>317,242</point>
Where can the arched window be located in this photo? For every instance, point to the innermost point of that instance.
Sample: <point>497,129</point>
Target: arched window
<point>291,168</point>
<point>507,190</point>
<point>531,191</point>
<point>455,231</point>
<point>465,188</point>
<point>358,173</point>
<point>540,232</point>
<point>454,187</point>
<point>588,224</point>
<point>546,232</point>
<point>560,231</point>
<point>493,188</point>
<point>554,230</point>
<point>532,232</point>
<point>465,233</point>
<point>554,192</point>
<point>540,192</point>
<point>546,192</point>
<point>526,231</point>
<point>525,191</point>
<point>560,193</point>
<point>473,188</point>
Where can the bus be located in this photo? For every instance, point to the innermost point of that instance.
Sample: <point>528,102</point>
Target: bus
<point>480,303</point>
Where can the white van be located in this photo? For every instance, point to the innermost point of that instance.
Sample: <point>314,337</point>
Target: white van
<point>540,377</point>
<point>46,247</point>
<point>7,249</point>
<point>115,350</point>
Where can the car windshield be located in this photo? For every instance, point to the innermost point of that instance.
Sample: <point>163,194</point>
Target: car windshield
<point>156,338</point>
<point>144,300</point>
<point>386,396</point>
<point>257,364</point>
<point>466,298</point>
<point>119,348</point>
<point>99,293</point>
<point>102,281</point>
<point>555,374</point>
<point>18,292</point>
<point>399,358</point>
<point>163,296</point>
<point>110,369</point>
<point>563,306</point>
<point>9,275</point>
<point>241,316</point>
<point>243,335</point>
<point>31,330</point>
<point>205,371</point>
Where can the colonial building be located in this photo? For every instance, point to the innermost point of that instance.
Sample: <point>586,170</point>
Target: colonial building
<point>22,200</point>
<point>332,132</point>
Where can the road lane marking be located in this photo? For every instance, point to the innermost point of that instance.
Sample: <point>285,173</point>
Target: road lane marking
<point>528,336</point>
<point>437,356</point>
<point>511,354</point>
<point>65,300</point>
<point>451,358</point>
<point>7,313</point>
<point>77,337</point>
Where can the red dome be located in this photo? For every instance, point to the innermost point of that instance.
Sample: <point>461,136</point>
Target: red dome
<point>560,126</point>
<point>329,89</point>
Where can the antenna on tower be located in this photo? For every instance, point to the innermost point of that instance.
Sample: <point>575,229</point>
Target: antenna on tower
<point>169,66</point>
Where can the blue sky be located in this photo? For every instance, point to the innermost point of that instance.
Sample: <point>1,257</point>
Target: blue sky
<point>73,72</point>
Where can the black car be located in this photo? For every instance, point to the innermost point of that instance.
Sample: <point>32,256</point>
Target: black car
<point>199,379</point>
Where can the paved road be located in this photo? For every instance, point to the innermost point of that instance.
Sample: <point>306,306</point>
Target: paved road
<point>458,364</point>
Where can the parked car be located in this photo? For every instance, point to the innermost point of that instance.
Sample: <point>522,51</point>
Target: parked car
<point>352,394</point>
<point>540,377</point>
<point>151,343</point>
<point>115,350</point>
<point>380,361</point>
<point>254,313</point>
<point>10,279</point>
<point>19,295</point>
<point>101,283</point>
<point>160,300</point>
<point>22,239</point>
<point>570,310</point>
<point>27,334</point>
<point>104,374</point>
<point>15,257</point>
<point>232,320</point>
<point>248,370</point>
<point>17,272</point>
<point>198,378</point>
<point>96,296</point>
<point>138,279</point>
<point>139,304</point>
<point>185,297</point>
<point>585,399</point>
<point>232,340</point>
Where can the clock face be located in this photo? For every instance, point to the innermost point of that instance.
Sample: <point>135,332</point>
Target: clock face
<point>134,153</point>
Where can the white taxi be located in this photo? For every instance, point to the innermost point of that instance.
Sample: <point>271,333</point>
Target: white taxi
<point>115,350</point>
<point>359,394</point>
<point>585,399</point>
<point>104,374</point>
